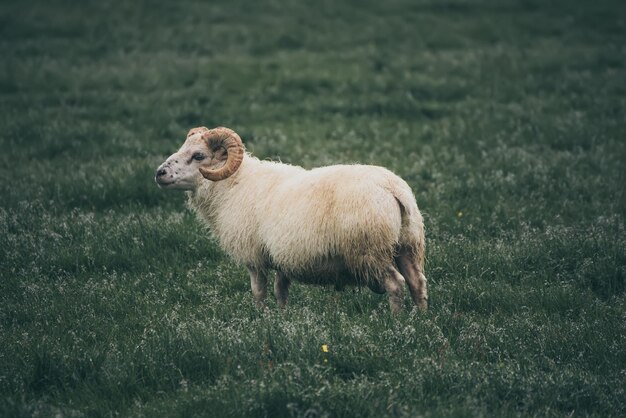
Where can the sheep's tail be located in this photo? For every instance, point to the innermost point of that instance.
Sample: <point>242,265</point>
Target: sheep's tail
<point>412,239</point>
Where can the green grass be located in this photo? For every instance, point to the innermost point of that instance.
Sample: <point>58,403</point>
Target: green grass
<point>505,117</point>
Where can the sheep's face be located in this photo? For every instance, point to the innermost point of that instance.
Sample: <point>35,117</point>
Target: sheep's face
<point>181,170</point>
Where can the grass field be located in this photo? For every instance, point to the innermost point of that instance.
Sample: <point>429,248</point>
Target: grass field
<point>505,117</point>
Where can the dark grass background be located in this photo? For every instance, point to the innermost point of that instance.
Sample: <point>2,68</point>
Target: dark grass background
<point>505,117</point>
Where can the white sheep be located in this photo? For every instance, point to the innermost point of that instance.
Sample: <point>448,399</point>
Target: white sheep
<point>340,225</point>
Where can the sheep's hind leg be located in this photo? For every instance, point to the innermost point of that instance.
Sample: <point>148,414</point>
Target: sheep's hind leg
<point>418,285</point>
<point>394,285</point>
<point>258,283</point>
<point>281,289</point>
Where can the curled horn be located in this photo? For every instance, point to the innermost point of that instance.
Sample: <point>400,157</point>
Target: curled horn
<point>230,141</point>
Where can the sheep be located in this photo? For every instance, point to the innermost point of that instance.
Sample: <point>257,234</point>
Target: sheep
<point>336,225</point>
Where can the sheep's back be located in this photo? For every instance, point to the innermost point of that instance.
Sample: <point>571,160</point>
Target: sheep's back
<point>346,213</point>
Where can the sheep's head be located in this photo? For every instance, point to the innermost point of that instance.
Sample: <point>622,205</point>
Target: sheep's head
<point>214,154</point>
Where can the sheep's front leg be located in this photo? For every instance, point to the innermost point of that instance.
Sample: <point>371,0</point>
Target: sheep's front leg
<point>281,289</point>
<point>394,285</point>
<point>258,283</point>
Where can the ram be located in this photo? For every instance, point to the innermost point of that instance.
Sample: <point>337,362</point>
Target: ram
<point>337,225</point>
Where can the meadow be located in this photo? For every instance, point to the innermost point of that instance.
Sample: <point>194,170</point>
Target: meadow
<point>505,117</point>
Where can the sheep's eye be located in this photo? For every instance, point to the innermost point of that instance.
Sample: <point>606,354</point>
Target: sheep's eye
<point>198,156</point>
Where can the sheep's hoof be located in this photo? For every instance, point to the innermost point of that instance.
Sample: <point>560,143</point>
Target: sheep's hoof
<point>422,305</point>
<point>260,305</point>
<point>395,308</point>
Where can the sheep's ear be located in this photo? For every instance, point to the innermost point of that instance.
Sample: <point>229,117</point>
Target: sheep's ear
<point>199,129</point>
